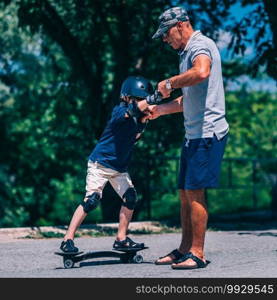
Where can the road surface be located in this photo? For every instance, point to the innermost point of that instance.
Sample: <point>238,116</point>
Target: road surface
<point>233,254</point>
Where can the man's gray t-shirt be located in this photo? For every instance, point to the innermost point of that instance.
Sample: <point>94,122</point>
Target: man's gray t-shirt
<point>203,103</point>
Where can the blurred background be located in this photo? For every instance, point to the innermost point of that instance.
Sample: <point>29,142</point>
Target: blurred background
<point>61,67</point>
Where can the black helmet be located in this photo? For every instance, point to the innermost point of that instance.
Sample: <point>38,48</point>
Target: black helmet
<point>136,86</point>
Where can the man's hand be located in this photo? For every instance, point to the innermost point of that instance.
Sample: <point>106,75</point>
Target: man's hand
<point>163,90</point>
<point>154,112</point>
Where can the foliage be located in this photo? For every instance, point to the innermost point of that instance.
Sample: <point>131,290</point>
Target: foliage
<point>253,119</point>
<point>258,27</point>
<point>61,67</point>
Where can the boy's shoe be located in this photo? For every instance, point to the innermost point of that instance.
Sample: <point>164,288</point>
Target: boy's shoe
<point>127,244</point>
<point>68,246</point>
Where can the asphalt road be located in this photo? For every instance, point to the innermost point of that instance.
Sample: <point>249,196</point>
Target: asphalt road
<point>233,254</point>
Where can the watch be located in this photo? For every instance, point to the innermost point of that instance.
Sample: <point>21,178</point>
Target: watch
<point>168,84</point>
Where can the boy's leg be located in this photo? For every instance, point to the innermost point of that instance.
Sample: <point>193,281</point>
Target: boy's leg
<point>78,217</point>
<point>95,182</point>
<point>123,185</point>
<point>90,203</point>
<point>125,216</point>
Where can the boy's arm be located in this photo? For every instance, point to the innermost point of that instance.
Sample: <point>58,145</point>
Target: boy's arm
<point>137,110</point>
<point>142,105</point>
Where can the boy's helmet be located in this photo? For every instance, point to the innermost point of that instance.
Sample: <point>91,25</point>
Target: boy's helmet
<point>136,86</point>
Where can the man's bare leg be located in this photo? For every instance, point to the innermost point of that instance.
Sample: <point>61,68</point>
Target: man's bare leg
<point>199,219</point>
<point>77,218</point>
<point>185,223</point>
<point>185,216</point>
<point>125,216</point>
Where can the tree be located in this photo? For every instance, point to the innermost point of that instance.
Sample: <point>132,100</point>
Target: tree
<point>62,64</point>
<point>261,21</point>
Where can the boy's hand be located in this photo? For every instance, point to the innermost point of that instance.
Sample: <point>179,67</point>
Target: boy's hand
<point>155,98</point>
<point>146,116</point>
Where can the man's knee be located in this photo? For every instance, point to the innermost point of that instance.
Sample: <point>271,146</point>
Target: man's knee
<point>194,192</point>
<point>182,194</point>
<point>195,195</point>
<point>92,202</point>
<point>130,198</point>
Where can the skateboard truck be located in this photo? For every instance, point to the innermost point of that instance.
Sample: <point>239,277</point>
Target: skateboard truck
<point>125,256</point>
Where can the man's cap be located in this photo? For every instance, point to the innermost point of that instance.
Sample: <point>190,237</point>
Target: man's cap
<point>169,18</point>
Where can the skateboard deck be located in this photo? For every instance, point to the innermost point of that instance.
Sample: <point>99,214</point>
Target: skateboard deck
<point>125,255</point>
<point>129,249</point>
<point>69,253</point>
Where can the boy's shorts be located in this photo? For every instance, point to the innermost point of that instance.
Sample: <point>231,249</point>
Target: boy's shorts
<point>200,163</point>
<point>98,176</point>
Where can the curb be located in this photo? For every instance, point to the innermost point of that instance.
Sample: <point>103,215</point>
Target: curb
<point>8,234</point>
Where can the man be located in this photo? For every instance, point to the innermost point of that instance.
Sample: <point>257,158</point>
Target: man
<point>203,106</point>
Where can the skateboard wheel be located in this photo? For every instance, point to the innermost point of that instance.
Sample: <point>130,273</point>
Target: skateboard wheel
<point>138,259</point>
<point>68,263</point>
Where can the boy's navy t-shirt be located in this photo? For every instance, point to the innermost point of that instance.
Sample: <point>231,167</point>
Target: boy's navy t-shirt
<point>115,146</point>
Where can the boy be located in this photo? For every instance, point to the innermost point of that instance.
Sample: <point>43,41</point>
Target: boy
<point>110,158</point>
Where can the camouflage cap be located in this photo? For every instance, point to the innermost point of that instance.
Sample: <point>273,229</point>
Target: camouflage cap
<point>169,18</point>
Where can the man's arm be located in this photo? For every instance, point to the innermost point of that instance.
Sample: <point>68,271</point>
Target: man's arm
<point>171,107</point>
<point>199,72</point>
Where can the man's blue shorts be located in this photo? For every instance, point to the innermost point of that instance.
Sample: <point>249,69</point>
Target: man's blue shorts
<point>200,163</point>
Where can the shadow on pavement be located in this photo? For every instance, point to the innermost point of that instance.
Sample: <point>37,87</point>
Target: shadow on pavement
<point>249,220</point>
<point>242,225</point>
<point>109,262</point>
<point>259,233</point>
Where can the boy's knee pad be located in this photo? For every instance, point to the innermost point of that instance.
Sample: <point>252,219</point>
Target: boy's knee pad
<point>130,197</point>
<point>92,202</point>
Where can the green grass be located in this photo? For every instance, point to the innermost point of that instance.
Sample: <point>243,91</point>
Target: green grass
<point>101,232</point>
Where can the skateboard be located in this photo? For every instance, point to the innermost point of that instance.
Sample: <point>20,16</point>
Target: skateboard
<point>125,255</point>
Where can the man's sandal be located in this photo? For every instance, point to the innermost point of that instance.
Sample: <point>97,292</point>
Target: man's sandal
<point>175,253</point>
<point>199,262</point>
